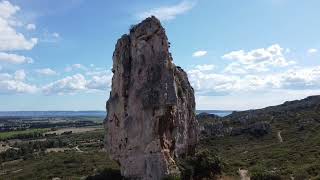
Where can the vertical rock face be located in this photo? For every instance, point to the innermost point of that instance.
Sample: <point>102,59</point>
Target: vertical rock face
<point>151,110</point>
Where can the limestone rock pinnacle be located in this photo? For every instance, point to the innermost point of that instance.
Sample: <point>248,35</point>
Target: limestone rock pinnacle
<point>151,109</point>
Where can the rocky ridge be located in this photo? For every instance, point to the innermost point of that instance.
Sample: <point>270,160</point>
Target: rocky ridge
<point>259,122</point>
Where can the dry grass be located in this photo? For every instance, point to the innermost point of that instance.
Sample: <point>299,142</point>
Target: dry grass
<point>74,130</point>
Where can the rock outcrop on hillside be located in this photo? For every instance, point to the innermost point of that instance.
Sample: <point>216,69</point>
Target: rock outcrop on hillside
<point>260,122</point>
<point>151,109</point>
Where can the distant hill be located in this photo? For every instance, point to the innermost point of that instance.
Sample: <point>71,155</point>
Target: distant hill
<point>311,103</point>
<point>82,113</point>
<point>52,113</point>
<point>281,140</point>
<point>220,113</point>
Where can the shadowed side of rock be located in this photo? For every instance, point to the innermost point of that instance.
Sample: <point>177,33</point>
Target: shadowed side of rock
<point>151,109</point>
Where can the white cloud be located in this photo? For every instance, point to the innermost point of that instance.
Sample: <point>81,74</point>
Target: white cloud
<point>7,9</point>
<point>100,82</point>
<point>46,72</point>
<point>78,83</point>
<point>75,67</point>
<point>199,53</point>
<point>312,51</point>
<point>235,68</point>
<point>205,67</point>
<point>5,76</point>
<point>251,72</point>
<point>217,84</point>
<point>301,78</point>
<point>31,27</point>
<point>69,84</point>
<point>13,84</point>
<point>14,58</point>
<point>49,37</point>
<point>10,39</point>
<point>168,12</point>
<point>56,35</point>
<point>20,75</point>
<point>211,83</point>
<point>259,60</point>
<point>249,100</point>
<point>94,81</point>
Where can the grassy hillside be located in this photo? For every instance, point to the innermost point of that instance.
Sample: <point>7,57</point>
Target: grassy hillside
<point>297,154</point>
<point>24,133</point>
<point>65,165</point>
<point>77,156</point>
<point>278,142</point>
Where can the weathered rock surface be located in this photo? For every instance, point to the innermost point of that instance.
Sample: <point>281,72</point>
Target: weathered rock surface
<point>151,110</point>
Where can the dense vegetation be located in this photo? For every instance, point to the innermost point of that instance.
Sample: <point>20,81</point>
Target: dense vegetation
<point>8,124</point>
<point>297,154</point>
<point>24,134</point>
<point>66,165</point>
<point>31,157</point>
<point>220,153</point>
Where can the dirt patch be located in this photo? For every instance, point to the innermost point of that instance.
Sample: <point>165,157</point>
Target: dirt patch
<point>73,130</point>
<point>4,147</point>
<point>244,175</point>
<point>57,150</point>
<point>280,137</point>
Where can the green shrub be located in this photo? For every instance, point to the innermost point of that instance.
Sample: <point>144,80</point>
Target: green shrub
<point>107,173</point>
<point>262,174</point>
<point>203,165</point>
<point>172,177</point>
<point>301,176</point>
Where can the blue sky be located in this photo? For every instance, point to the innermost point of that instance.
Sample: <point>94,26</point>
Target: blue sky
<point>57,55</point>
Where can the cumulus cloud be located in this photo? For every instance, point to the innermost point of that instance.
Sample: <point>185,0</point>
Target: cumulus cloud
<point>69,84</point>
<point>46,72</point>
<point>199,53</point>
<point>13,84</point>
<point>219,83</point>
<point>100,81</point>
<point>250,72</point>
<point>75,67</point>
<point>166,13</point>
<point>49,37</point>
<point>5,76</point>
<point>20,75</point>
<point>249,100</point>
<point>7,9</point>
<point>235,68</point>
<point>10,39</point>
<point>205,67</point>
<point>92,81</point>
<point>210,83</point>
<point>301,78</point>
<point>56,35</point>
<point>259,60</point>
<point>312,51</point>
<point>31,27</point>
<point>14,58</point>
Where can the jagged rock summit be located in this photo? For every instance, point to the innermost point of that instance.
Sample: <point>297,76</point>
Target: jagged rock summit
<point>151,109</point>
